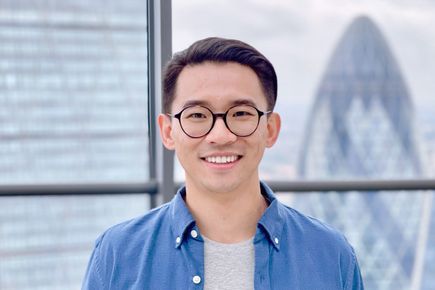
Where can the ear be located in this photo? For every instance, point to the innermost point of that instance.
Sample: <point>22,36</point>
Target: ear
<point>165,126</point>
<point>273,128</point>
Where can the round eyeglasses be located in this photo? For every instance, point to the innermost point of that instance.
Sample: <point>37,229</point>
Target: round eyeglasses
<point>198,121</point>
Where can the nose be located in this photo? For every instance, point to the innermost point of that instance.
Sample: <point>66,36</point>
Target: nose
<point>220,134</point>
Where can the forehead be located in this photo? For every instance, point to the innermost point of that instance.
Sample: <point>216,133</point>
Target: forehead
<point>218,86</point>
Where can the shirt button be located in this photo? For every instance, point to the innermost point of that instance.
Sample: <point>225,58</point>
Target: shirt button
<point>194,234</point>
<point>196,279</point>
<point>276,240</point>
<point>178,240</point>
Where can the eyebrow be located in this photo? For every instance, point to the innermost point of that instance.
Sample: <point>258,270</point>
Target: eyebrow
<point>207,104</point>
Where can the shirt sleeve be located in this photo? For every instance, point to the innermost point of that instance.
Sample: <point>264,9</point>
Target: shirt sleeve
<point>93,279</point>
<point>354,281</point>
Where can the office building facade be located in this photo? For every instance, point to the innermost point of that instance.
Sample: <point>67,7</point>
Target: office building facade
<point>73,110</point>
<point>362,126</point>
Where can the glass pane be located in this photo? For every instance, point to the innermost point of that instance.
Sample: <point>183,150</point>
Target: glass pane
<point>392,232</point>
<point>355,86</point>
<point>73,109</point>
<point>73,81</point>
<point>356,101</point>
<point>46,242</point>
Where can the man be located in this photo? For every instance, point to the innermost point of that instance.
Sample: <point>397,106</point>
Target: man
<point>225,229</point>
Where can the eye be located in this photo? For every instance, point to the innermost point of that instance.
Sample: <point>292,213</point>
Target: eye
<point>196,115</point>
<point>242,113</point>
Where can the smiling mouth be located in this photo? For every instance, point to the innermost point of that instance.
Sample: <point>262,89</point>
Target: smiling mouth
<point>222,159</point>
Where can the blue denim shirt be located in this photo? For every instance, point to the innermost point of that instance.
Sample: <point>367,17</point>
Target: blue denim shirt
<point>164,250</point>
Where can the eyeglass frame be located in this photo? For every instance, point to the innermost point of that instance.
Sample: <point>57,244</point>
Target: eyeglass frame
<point>219,115</point>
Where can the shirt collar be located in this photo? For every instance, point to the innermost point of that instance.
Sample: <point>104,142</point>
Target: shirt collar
<point>271,222</point>
<point>181,219</point>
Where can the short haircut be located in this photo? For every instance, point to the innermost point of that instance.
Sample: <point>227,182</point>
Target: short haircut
<point>220,50</point>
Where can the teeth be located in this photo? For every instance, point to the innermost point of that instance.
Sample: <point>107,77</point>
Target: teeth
<point>221,159</point>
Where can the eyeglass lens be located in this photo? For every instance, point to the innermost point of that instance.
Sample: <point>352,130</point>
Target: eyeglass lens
<point>197,121</point>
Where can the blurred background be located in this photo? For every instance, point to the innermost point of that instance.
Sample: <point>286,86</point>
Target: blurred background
<point>356,95</point>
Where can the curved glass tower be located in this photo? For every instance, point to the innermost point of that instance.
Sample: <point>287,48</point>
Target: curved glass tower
<point>362,126</point>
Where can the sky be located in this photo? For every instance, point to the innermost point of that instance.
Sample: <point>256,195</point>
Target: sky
<point>300,36</point>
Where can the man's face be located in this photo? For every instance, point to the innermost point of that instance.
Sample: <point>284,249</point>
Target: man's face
<point>219,86</point>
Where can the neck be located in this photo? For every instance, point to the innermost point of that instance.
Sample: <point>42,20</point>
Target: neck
<point>226,217</point>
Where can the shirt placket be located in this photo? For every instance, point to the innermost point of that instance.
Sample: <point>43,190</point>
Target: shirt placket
<point>262,255</point>
<point>193,253</point>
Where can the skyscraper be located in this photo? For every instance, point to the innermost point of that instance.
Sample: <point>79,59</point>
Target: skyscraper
<point>362,126</point>
<point>73,109</point>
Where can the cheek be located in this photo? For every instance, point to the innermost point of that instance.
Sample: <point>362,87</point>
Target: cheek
<point>262,136</point>
<point>184,158</point>
<point>180,139</point>
<point>185,148</point>
<point>258,145</point>
<point>262,140</point>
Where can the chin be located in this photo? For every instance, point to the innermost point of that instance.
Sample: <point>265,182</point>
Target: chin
<point>218,187</point>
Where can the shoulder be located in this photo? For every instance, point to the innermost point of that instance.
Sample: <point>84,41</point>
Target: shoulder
<point>125,244</point>
<point>137,229</point>
<point>318,244</point>
<point>312,229</point>
<point>302,229</point>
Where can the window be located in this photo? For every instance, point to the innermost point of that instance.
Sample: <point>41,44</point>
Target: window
<point>73,113</point>
<point>355,101</point>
